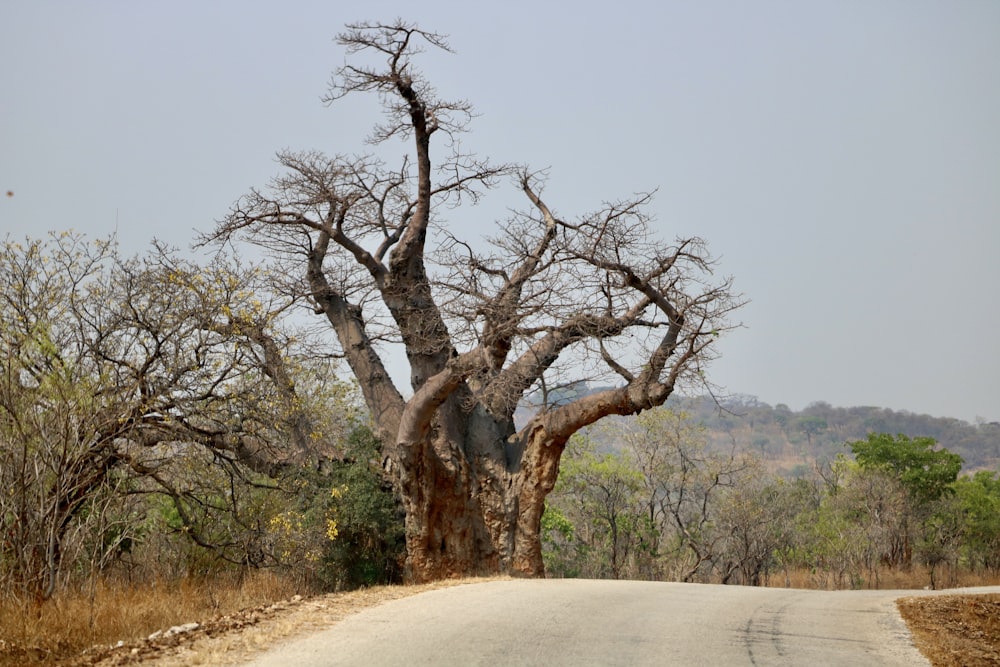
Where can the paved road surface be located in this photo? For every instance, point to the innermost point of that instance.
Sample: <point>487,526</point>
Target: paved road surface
<point>578,622</point>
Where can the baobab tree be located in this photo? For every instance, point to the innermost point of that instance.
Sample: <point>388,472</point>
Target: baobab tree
<point>484,323</point>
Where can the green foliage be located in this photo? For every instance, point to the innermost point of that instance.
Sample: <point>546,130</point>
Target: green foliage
<point>55,466</point>
<point>811,425</point>
<point>333,527</point>
<point>832,546</point>
<point>859,521</point>
<point>214,518</point>
<point>926,473</point>
<point>561,552</point>
<point>756,524</point>
<point>601,493</point>
<point>646,498</point>
<point>654,507</point>
<point>555,523</point>
<point>135,434</point>
<point>940,538</point>
<point>978,498</point>
<point>369,546</point>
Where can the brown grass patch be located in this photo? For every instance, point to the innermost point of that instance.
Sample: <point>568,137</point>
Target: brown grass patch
<point>955,630</point>
<point>913,578</point>
<point>233,620</point>
<point>36,634</point>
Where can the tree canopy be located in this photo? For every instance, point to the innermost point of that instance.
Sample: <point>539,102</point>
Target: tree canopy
<point>924,471</point>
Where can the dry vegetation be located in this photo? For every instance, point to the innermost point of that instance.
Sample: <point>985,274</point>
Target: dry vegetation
<point>913,579</point>
<point>955,630</point>
<point>42,633</point>
<point>115,625</point>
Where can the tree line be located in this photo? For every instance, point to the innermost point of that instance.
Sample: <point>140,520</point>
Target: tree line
<point>159,418</point>
<point>648,498</point>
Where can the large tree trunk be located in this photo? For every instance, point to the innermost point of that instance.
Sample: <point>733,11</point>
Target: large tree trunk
<point>474,494</point>
<point>474,489</point>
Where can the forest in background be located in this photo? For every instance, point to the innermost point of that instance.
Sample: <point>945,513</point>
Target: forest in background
<point>790,442</point>
<point>662,496</point>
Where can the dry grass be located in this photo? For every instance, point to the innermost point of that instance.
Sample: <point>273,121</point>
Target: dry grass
<point>914,578</point>
<point>32,633</point>
<point>234,639</point>
<point>234,619</point>
<point>955,630</point>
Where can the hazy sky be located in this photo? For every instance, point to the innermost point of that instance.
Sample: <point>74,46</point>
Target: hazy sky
<point>842,158</point>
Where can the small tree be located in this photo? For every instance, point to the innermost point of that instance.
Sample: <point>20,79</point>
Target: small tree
<point>368,245</point>
<point>599,493</point>
<point>369,547</point>
<point>978,498</point>
<point>757,520</point>
<point>685,486</point>
<point>811,425</point>
<point>138,376</point>
<point>54,462</point>
<point>666,447</point>
<point>924,472</point>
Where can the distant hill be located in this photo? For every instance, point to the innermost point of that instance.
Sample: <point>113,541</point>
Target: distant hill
<point>791,439</point>
<point>792,442</point>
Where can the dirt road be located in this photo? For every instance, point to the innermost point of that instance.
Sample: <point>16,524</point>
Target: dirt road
<point>574,622</point>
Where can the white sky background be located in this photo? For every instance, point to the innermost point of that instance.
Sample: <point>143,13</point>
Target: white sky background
<point>841,158</point>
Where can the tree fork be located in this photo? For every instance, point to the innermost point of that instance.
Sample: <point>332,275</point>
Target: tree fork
<point>593,298</point>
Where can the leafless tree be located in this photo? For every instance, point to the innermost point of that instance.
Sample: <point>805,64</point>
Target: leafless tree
<point>482,325</point>
<point>684,488</point>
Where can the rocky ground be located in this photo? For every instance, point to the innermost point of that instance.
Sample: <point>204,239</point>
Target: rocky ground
<point>951,630</point>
